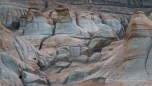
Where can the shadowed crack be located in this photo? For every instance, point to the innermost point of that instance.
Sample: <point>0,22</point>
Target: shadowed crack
<point>43,41</point>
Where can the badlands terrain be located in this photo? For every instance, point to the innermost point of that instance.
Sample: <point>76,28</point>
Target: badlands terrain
<point>75,43</point>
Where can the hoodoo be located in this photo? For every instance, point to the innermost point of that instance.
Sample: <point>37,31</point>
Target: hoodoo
<point>75,43</point>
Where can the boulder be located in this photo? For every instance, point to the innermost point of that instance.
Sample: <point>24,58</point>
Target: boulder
<point>85,22</point>
<point>95,57</point>
<point>29,79</point>
<point>82,58</point>
<point>103,37</point>
<point>10,71</point>
<point>76,76</point>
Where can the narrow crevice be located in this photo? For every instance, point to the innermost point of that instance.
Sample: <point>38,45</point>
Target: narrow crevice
<point>76,18</point>
<point>134,3</point>
<point>43,41</point>
<point>54,23</point>
<point>20,76</point>
<point>147,59</point>
<point>48,81</point>
<point>46,5</point>
<point>146,66</point>
<point>141,3</point>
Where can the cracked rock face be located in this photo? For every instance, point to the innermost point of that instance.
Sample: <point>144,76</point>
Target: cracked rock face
<point>122,63</point>
<point>9,70</point>
<point>81,29</point>
<point>138,34</point>
<point>64,21</point>
<point>10,15</point>
<point>35,26</point>
<point>68,46</point>
<point>12,10</point>
<point>17,55</point>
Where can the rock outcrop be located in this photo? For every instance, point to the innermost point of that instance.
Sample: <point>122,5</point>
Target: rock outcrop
<point>115,25</point>
<point>12,10</point>
<point>127,3</point>
<point>112,6</point>
<point>121,63</point>
<point>10,15</point>
<point>91,47</point>
<point>17,55</point>
<point>85,26</point>
<point>35,26</point>
<point>132,59</point>
<point>62,48</point>
<point>10,71</point>
<point>65,25</point>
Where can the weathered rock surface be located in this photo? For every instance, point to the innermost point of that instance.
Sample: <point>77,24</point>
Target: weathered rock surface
<point>115,25</point>
<point>70,40</point>
<point>121,63</point>
<point>112,7</point>
<point>17,55</point>
<point>10,15</point>
<point>62,48</point>
<point>128,3</point>
<point>9,70</point>
<point>35,27</point>
<point>12,10</point>
<point>65,25</point>
<point>85,26</point>
<point>33,80</point>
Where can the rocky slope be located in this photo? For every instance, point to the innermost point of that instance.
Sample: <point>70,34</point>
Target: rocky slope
<point>18,57</point>
<point>12,10</point>
<point>53,44</point>
<point>122,63</point>
<point>17,8</point>
<point>10,15</point>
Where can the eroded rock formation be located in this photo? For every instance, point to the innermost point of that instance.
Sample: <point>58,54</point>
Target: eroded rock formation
<point>17,55</point>
<point>66,46</point>
<point>128,3</point>
<point>10,15</point>
<point>122,63</point>
<point>35,26</point>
